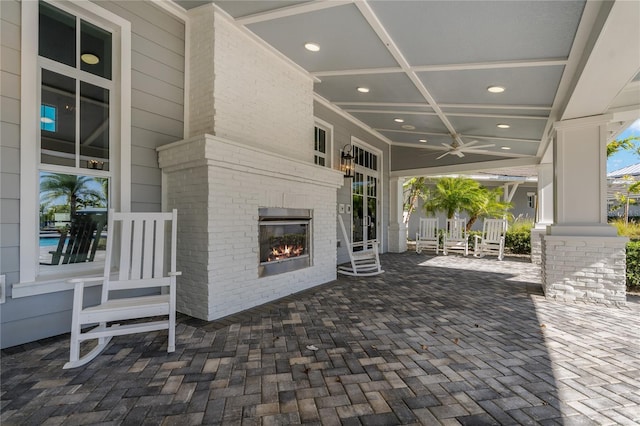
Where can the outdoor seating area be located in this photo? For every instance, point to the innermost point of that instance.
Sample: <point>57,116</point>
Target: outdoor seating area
<point>434,340</point>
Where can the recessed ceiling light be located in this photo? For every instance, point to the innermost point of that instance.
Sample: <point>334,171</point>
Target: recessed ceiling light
<point>89,58</point>
<point>423,140</point>
<point>46,120</point>
<point>503,126</point>
<point>408,127</point>
<point>398,120</point>
<point>313,47</point>
<point>506,148</point>
<point>363,89</point>
<point>495,89</point>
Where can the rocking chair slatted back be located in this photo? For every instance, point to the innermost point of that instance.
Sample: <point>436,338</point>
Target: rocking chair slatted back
<point>492,239</point>
<point>427,236</point>
<point>455,237</point>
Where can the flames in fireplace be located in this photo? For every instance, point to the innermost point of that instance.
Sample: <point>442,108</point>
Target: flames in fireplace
<point>285,252</point>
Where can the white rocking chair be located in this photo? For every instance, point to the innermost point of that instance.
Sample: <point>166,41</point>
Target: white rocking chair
<point>492,239</point>
<point>427,236</point>
<point>140,238</point>
<point>455,237</point>
<point>365,262</point>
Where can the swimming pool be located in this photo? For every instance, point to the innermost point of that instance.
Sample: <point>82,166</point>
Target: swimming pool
<point>49,241</point>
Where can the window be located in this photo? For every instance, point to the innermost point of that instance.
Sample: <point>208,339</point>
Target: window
<point>78,61</point>
<point>323,142</point>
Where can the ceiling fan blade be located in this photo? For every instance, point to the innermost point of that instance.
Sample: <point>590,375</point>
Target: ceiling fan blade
<point>468,144</point>
<point>437,158</point>
<point>445,145</point>
<point>459,153</point>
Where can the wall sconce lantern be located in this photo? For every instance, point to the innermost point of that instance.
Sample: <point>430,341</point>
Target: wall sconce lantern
<point>95,164</point>
<point>346,161</point>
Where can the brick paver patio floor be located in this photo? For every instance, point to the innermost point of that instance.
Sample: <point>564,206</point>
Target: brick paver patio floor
<point>434,340</point>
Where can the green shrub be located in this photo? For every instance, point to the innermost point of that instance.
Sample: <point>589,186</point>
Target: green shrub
<point>633,266</point>
<point>518,241</point>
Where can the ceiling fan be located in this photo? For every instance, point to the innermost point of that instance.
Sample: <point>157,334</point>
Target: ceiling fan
<point>458,148</point>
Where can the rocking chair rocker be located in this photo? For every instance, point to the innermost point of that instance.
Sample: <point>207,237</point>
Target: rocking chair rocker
<point>364,262</point>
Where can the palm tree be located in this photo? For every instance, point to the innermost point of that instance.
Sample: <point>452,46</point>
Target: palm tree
<point>489,205</point>
<point>454,194</point>
<point>71,187</point>
<point>414,189</point>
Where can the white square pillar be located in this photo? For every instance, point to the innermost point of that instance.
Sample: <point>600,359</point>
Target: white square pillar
<point>397,228</point>
<point>544,210</point>
<point>582,256</point>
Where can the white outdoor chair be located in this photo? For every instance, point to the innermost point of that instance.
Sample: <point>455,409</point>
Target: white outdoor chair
<point>364,262</point>
<point>492,239</point>
<point>455,237</point>
<point>146,260</point>
<point>427,235</point>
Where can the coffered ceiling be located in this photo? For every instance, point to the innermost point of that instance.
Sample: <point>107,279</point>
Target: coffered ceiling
<point>430,63</point>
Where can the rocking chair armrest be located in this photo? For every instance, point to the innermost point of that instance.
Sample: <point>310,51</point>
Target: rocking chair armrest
<point>83,280</point>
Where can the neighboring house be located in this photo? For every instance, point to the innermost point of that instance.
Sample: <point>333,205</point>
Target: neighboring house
<point>618,182</point>
<point>195,110</point>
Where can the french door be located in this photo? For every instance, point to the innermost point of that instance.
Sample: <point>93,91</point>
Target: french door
<point>365,194</point>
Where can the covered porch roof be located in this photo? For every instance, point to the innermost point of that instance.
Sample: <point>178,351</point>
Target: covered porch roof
<point>417,73</point>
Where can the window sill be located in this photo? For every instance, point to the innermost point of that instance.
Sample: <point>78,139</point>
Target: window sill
<point>52,283</point>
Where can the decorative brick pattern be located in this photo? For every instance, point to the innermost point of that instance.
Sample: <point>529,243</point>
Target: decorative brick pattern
<point>434,340</point>
<point>589,269</point>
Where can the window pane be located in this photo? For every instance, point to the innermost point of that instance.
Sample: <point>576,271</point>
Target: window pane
<point>94,127</point>
<point>48,117</point>
<point>57,35</point>
<point>95,50</point>
<point>322,136</point>
<point>73,211</point>
<point>58,143</point>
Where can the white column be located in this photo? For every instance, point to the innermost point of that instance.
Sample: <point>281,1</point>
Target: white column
<point>582,256</point>
<point>545,195</point>
<point>397,228</point>
<point>544,210</point>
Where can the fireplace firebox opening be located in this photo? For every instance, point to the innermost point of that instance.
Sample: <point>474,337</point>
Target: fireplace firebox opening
<point>285,240</point>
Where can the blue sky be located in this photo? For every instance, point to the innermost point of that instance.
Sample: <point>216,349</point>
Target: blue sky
<point>625,158</point>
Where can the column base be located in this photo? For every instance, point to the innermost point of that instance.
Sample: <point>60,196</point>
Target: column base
<point>537,232</point>
<point>397,238</point>
<point>584,268</point>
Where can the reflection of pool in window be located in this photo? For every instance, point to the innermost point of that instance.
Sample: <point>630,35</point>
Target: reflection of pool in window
<point>49,241</point>
<point>48,118</point>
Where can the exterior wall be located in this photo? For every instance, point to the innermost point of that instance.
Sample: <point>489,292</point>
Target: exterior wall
<point>9,143</point>
<point>584,269</point>
<point>156,116</point>
<point>343,130</point>
<point>157,93</point>
<point>218,186</point>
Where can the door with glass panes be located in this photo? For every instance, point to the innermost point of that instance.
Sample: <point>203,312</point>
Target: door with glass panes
<point>365,192</point>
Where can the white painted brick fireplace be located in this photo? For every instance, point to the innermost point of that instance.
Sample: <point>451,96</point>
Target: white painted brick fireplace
<point>218,186</point>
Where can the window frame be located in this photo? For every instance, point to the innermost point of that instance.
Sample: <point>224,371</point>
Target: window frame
<point>31,282</point>
<point>328,155</point>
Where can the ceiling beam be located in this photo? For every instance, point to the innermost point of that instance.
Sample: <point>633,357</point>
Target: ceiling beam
<point>292,10</point>
<point>466,167</point>
<point>616,55</point>
<point>386,39</point>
